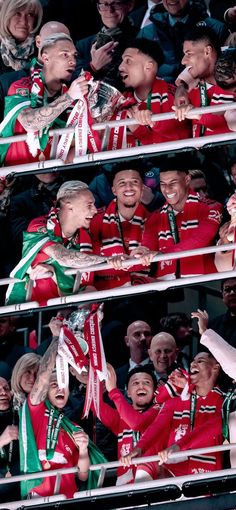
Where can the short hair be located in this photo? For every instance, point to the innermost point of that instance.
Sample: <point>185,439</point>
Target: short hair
<point>70,188</point>
<point>49,41</point>
<point>177,163</point>
<point>10,7</point>
<point>204,33</point>
<point>144,369</point>
<point>223,282</point>
<point>24,363</point>
<point>225,68</point>
<point>171,322</point>
<point>123,166</point>
<point>196,173</point>
<point>148,47</point>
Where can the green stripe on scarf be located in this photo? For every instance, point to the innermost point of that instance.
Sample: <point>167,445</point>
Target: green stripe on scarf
<point>29,459</point>
<point>13,106</point>
<point>95,455</point>
<point>32,244</point>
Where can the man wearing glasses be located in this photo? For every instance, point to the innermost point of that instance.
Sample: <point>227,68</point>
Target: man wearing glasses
<point>101,53</point>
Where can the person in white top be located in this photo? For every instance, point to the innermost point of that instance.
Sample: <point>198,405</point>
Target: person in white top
<point>225,354</point>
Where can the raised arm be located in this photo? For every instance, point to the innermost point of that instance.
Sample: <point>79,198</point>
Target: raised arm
<point>41,385</point>
<point>72,258</point>
<point>34,119</point>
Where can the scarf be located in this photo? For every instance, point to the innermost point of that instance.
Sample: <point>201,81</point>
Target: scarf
<point>118,237</point>
<point>16,55</point>
<point>33,242</point>
<point>77,116</point>
<point>186,222</point>
<point>29,459</point>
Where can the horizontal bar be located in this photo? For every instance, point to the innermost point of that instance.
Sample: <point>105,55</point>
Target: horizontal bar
<point>156,148</point>
<point>39,474</point>
<point>7,281</point>
<point>157,258</point>
<point>19,307</point>
<point>125,122</point>
<point>114,464</point>
<point>137,289</point>
<point>167,116</point>
<point>22,503</point>
<point>134,261</point>
<point>142,150</point>
<point>176,480</point>
<point>176,455</point>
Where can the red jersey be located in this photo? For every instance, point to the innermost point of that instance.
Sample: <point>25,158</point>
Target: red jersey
<point>66,454</point>
<point>197,225</point>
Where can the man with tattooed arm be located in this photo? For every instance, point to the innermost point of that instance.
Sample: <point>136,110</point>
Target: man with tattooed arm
<point>42,100</point>
<point>55,242</point>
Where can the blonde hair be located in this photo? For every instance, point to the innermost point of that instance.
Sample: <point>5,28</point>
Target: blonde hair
<point>24,363</point>
<point>9,9</point>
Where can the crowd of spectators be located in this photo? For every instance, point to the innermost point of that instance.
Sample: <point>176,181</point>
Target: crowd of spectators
<point>160,394</point>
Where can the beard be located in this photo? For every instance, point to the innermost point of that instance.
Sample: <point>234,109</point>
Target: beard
<point>130,206</point>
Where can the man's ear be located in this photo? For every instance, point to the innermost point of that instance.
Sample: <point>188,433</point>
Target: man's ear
<point>188,179</point>
<point>37,41</point>
<point>113,191</point>
<point>131,5</point>
<point>44,57</point>
<point>126,340</point>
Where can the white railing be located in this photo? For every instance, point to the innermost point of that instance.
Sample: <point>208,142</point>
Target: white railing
<point>122,291</point>
<point>124,122</point>
<point>85,297</point>
<point>142,150</point>
<point>103,467</point>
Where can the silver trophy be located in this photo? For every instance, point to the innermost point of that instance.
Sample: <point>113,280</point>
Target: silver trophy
<point>75,322</point>
<point>103,100</point>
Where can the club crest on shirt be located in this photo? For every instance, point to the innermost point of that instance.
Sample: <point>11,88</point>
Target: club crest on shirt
<point>180,431</point>
<point>22,92</point>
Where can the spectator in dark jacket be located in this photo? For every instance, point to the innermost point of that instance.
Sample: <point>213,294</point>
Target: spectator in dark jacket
<point>101,53</point>
<point>169,28</point>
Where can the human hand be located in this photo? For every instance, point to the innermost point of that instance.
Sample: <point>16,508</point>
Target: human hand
<point>41,271</point>
<point>231,205</point>
<point>127,459</point>
<point>102,56</point>
<point>147,195</point>
<point>230,117</point>
<point>185,112</point>
<point>81,440</point>
<point>231,14</point>
<point>117,261</point>
<point>55,326</point>
<point>110,382</point>
<point>203,319</point>
<point>142,117</point>
<point>223,233</point>
<point>177,378</point>
<point>164,454</point>
<point>9,434</point>
<point>78,88</point>
<point>144,255</point>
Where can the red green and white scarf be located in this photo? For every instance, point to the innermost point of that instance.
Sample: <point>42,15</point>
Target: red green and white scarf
<point>79,117</point>
<point>33,242</point>
<point>29,458</point>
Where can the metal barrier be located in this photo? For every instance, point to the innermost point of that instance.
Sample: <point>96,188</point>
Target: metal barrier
<point>161,284</point>
<point>134,487</point>
<point>142,150</point>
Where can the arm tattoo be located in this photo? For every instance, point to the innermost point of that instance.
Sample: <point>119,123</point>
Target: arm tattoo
<point>34,119</point>
<point>72,258</point>
<point>47,363</point>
